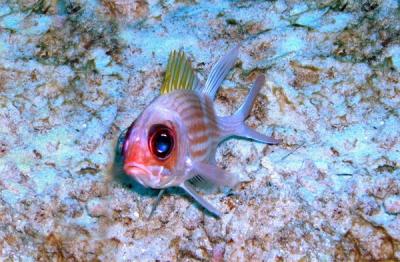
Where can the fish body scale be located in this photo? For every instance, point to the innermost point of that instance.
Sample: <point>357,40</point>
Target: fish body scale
<point>198,116</point>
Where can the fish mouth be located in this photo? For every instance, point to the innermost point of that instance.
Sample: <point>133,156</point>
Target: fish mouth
<point>146,175</point>
<point>138,171</point>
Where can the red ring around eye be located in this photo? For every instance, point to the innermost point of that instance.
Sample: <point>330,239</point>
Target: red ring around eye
<point>161,141</point>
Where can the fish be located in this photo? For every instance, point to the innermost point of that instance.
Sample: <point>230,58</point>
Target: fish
<point>174,140</point>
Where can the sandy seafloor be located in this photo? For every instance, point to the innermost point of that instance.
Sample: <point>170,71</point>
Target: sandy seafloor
<point>74,74</point>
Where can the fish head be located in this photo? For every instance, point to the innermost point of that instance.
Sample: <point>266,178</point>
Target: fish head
<point>155,148</point>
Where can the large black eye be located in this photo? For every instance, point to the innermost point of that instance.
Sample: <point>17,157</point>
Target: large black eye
<point>161,141</point>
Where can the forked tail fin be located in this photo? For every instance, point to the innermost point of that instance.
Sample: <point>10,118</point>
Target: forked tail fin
<point>234,125</point>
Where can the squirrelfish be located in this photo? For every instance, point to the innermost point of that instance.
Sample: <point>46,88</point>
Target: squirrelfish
<point>173,142</point>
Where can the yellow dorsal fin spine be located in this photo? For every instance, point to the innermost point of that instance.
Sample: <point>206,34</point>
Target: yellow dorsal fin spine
<point>179,74</point>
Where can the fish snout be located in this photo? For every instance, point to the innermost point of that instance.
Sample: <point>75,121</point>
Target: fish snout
<point>136,170</point>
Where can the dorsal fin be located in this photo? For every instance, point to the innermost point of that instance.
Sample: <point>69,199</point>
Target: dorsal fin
<point>219,71</point>
<point>179,74</point>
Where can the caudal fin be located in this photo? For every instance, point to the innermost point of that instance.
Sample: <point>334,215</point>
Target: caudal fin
<point>234,125</point>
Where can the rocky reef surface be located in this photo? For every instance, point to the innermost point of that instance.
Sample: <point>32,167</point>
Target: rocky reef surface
<point>74,74</point>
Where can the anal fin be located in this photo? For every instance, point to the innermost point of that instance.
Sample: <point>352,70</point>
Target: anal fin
<point>250,133</point>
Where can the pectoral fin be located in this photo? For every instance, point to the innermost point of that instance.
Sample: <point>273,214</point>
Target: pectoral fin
<point>189,189</point>
<point>214,174</point>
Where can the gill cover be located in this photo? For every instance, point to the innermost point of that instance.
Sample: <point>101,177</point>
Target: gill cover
<point>179,75</point>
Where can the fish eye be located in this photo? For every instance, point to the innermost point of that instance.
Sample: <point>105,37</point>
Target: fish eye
<point>161,141</point>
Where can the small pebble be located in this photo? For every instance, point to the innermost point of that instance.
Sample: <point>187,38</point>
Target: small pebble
<point>392,204</point>
<point>96,207</point>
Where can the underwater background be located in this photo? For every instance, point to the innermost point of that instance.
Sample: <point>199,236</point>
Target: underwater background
<point>74,74</point>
